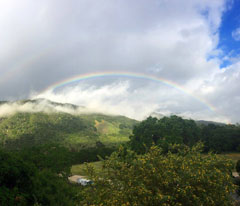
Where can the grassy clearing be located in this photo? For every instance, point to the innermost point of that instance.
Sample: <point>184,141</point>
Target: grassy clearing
<point>81,168</point>
<point>232,156</point>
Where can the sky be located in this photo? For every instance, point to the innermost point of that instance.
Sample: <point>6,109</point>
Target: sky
<point>168,57</point>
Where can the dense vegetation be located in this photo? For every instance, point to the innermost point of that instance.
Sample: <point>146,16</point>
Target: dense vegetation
<point>25,181</point>
<point>37,151</point>
<point>23,130</point>
<point>160,163</point>
<point>182,176</point>
<point>76,132</point>
<point>175,130</point>
<point>186,177</point>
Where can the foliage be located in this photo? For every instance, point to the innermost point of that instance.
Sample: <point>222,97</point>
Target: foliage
<point>23,130</point>
<point>233,156</point>
<point>22,183</point>
<point>238,166</point>
<point>187,177</point>
<point>92,154</point>
<point>175,130</point>
<point>221,138</point>
<point>77,132</point>
<point>52,157</point>
<point>15,180</point>
<point>165,131</point>
<point>50,189</point>
<point>112,129</point>
<point>161,169</point>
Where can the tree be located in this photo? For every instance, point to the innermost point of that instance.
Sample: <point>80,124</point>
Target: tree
<point>184,178</point>
<point>22,183</point>
<point>145,134</point>
<point>238,166</point>
<point>220,138</point>
<point>15,180</point>
<point>162,132</point>
<point>50,189</point>
<point>53,157</point>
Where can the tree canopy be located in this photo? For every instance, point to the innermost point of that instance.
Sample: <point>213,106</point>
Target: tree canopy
<point>176,130</point>
<point>187,178</point>
<point>22,182</point>
<point>163,132</point>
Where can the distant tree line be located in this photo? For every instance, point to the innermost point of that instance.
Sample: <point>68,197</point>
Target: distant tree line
<point>176,130</point>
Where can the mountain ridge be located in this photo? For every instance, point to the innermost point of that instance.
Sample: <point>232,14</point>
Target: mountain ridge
<point>26,127</point>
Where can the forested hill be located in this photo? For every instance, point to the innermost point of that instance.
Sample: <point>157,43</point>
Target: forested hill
<point>176,130</point>
<point>28,123</point>
<point>25,129</point>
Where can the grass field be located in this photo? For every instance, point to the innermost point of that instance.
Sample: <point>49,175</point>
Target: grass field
<point>81,168</point>
<point>233,156</point>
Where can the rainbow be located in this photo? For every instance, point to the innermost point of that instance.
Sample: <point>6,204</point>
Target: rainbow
<point>87,76</point>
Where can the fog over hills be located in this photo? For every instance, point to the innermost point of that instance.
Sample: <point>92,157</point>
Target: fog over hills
<point>39,105</point>
<point>31,122</point>
<point>48,106</point>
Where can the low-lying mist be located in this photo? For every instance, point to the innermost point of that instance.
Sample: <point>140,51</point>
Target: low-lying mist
<point>119,98</point>
<point>127,99</point>
<point>40,105</point>
<point>114,99</point>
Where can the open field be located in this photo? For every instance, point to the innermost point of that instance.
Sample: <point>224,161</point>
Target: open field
<point>81,168</point>
<point>233,156</point>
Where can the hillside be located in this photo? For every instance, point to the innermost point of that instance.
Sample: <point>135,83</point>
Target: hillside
<point>24,129</point>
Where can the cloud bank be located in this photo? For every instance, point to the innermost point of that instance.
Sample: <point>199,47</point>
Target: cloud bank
<point>48,41</point>
<point>11,108</point>
<point>122,99</point>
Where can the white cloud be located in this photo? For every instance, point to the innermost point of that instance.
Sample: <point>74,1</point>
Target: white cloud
<point>45,42</point>
<point>224,91</point>
<point>236,34</point>
<point>123,99</point>
<point>77,37</point>
<point>114,99</point>
<point>41,106</point>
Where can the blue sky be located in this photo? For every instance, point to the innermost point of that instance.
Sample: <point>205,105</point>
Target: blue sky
<point>230,23</point>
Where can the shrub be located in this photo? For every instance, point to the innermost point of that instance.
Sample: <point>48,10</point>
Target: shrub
<point>184,178</point>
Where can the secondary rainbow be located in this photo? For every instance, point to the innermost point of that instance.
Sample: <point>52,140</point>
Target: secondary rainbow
<point>87,76</point>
